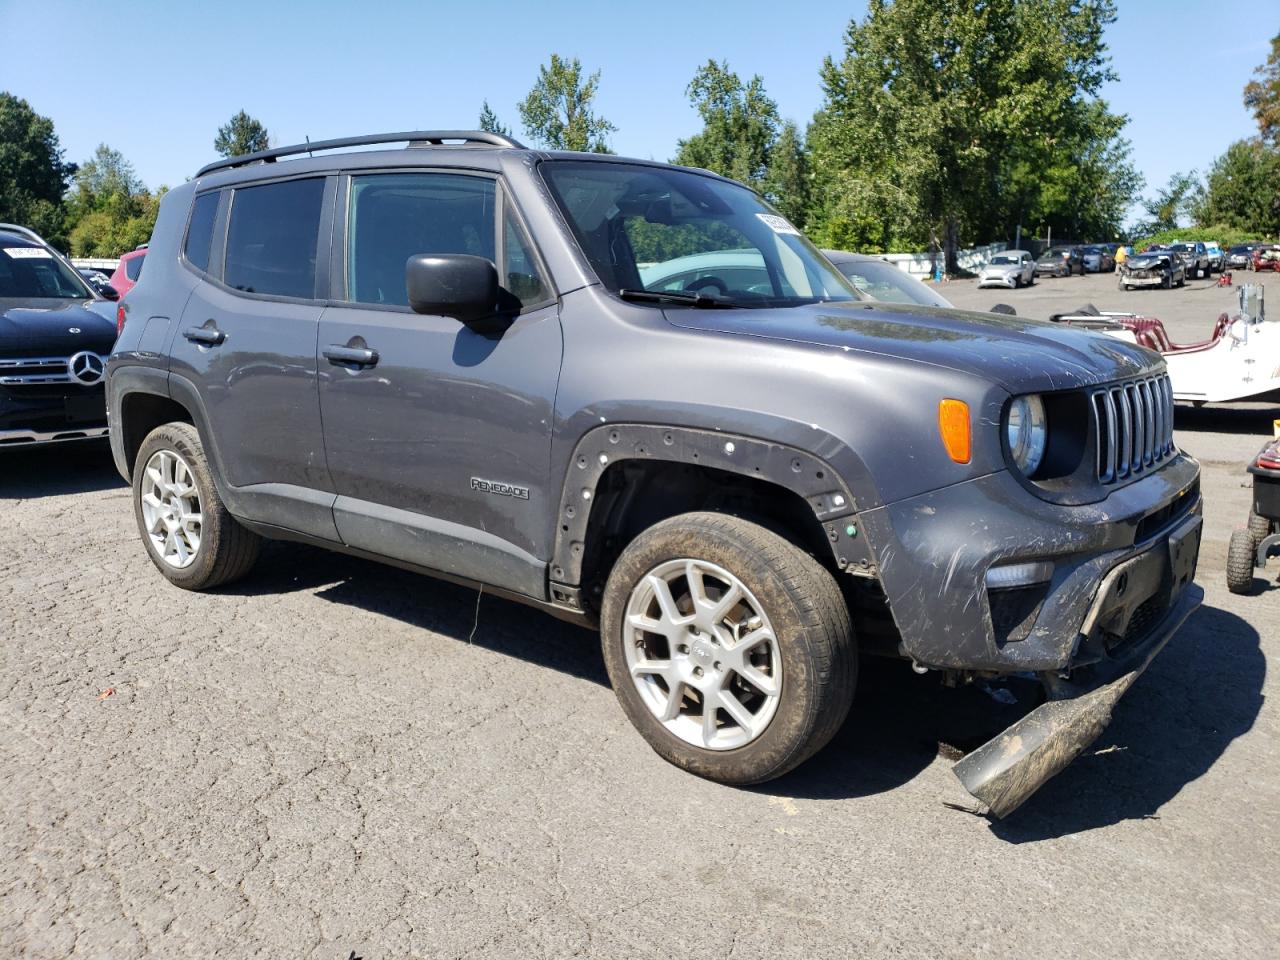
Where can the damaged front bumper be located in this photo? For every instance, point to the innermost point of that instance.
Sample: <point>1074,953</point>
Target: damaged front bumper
<point>1008,769</point>
<point>1121,586</point>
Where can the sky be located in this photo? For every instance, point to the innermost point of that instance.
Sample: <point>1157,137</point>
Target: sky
<point>155,80</point>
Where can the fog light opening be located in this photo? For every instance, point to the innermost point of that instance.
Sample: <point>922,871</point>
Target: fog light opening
<point>1019,574</point>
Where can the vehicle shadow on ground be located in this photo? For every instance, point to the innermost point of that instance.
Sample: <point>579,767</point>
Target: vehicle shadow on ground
<point>56,470</point>
<point>1255,418</point>
<point>503,626</point>
<point>1200,693</point>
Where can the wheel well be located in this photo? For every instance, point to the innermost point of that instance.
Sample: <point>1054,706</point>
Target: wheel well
<point>633,495</point>
<point>140,413</point>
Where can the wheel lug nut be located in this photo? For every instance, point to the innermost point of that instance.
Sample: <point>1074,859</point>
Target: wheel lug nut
<point>697,671</point>
<point>718,666</point>
<point>682,649</point>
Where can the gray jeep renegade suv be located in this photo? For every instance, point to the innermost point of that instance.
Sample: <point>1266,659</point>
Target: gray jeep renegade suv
<point>463,357</point>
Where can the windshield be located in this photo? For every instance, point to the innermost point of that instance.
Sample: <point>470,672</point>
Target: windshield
<point>673,232</point>
<point>885,282</point>
<point>1003,258</point>
<point>33,273</point>
<point>1055,253</point>
<point>1181,248</point>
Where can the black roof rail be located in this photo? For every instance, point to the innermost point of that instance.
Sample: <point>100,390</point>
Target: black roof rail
<point>412,137</point>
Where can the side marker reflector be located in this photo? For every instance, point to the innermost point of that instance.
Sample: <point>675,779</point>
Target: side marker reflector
<point>953,425</point>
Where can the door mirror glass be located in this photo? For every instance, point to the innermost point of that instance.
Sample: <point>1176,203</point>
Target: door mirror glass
<point>454,285</point>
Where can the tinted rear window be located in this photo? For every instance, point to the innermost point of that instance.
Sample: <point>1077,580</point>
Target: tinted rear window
<point>271,242</point>
<point>200,232</point>
<point>133,268</point>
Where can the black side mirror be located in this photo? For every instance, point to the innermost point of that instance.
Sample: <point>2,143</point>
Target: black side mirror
<point>108,292</point>
<point>452,285</point>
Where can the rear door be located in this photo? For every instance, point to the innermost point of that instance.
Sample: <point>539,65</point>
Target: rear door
<point>439,444</point>
<point>246,346</point>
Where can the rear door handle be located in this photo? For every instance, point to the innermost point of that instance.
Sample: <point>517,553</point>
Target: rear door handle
<point>359,356</point>
<point>207,335</point>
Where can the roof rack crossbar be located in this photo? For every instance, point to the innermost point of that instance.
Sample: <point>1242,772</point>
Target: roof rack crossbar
<point>420,137</point>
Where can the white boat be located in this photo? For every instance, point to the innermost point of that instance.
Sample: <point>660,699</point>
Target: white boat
<point>1240,360</point>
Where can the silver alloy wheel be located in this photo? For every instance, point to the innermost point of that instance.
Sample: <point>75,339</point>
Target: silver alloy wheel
<point>171,508</point>
<point>702,654</point>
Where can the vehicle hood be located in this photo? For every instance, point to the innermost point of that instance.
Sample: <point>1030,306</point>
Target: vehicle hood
<point>1020,354</point>
<point>39,328</point>
<point>1147,262</point>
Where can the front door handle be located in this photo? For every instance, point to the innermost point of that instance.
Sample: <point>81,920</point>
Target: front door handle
<point>358,356</point>
<point>210,336</point>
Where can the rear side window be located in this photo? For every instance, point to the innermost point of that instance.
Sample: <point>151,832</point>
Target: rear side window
<point>133,268</point>
<point>272,238</point>
<point>200,232</point>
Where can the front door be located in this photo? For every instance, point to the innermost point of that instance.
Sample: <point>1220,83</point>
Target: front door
<point>438,437</point>
<point>246,343</point>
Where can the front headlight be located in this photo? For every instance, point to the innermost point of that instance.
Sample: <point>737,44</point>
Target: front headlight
<point>1027,431</point>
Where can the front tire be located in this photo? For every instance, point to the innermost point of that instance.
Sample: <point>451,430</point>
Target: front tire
<point>188,533</point>
<point>729,648</point>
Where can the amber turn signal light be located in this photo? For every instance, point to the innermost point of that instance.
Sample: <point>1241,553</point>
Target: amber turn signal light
<point>953,425</point>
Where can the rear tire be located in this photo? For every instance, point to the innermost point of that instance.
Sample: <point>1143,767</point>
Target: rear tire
<point>1240,553</point>
<point>187,531</point>
<point>805,661</point>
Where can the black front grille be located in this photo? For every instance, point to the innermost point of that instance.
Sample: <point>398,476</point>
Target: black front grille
<point>1133,422</point>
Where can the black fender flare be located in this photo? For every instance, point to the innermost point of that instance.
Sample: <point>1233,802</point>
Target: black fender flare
<point>799,471</point>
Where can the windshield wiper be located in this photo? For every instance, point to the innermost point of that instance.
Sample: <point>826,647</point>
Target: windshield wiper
<point>694,298</point>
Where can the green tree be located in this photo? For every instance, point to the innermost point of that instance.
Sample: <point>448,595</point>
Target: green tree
<point>240,135</point>
<point>1262,96</point>
<point>1175,201</point>
<point>558,112</point>
<point>33,174</point>
<point>786,181</point>
<point>109,211</point>
<point>490,123</point>
<point>739,125</point>
<point>949,121</point>
<point>1241,190</point>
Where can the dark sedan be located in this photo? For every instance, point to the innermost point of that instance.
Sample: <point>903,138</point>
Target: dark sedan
<point>1060,262</point>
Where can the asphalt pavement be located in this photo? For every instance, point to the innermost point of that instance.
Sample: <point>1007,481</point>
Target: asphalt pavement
<point>335,759</point>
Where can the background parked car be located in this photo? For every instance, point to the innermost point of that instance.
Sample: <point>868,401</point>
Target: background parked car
<point>100,282</point>
<point>1060,262</point>
<point>1098,258</point>
<point>1160,268</point>
<point>1241,256</point>
<point>1196,257</point>
<point>878,278</point>
<point>1217,259</point>
<point>1008,268</point>
<point>127,273</point>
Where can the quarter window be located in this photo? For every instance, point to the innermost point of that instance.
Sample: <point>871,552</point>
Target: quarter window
<point>133,267</point>
<point>200,232</point>
<point>272,238</point>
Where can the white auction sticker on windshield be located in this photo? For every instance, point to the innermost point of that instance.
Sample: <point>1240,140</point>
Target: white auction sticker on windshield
<point>778,224</point>
<point>28,253</point>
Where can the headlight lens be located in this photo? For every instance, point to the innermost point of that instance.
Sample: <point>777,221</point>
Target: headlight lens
<point>1027,431</point>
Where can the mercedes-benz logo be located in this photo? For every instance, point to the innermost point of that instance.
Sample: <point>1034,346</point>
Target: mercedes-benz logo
<point>86,368</point>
